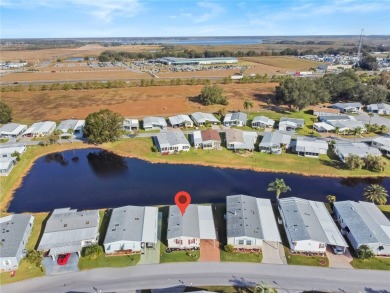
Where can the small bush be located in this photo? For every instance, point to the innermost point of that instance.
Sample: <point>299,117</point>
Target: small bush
<point>229,248</point>
<point>92,252</point>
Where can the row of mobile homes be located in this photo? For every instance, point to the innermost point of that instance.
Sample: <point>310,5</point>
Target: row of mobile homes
<point>237,140</point>
<point>180,121</point>
<point>309,227</point>
<point>290,124</point>
<point>40,129</point>
<point>235,119</point>
<point>8,150</point>
<point>12,130</point>
<point>206,139</point>
<point>154,123</point>
<point>131,229</point>
<point>71,128</point>
<point>310,147</point>
<point>323,111</point>
<point>364,224</point>
<point>274,142</point>
<point>348,107</point>
<point>323,127</point>
<point>171,141</point>
<point>200,118</point>
<point>262,122</point>
<point>15,231</point>
<point>250,221</point>
<point>69,231</point>
<point>344,149</point>
<point>186,231</point>
<point>6,165</point>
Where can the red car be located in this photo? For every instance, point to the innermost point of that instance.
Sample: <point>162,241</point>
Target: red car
<point>63,259</point>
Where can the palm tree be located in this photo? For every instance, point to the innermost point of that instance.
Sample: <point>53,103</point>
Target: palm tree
<point>278,186</point>
<point>337,130</point>
<point>248,104</point>
<point>264,288</point>
<point>357,131</point>
<point>331,198</point>
<point>371,115</point>
<point>384,129</point>
<point>376,193</point>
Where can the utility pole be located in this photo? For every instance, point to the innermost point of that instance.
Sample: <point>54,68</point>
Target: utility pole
<point>359,54</point>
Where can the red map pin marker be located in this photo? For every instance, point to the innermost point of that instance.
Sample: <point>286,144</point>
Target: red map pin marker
<point>182,200</point>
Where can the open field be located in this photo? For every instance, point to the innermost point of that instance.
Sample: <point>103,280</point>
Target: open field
<point>63,53</point>
<point>137,101</point>
<point>286,63</point>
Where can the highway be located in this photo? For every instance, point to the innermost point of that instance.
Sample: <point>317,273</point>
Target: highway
<point>286,278</point>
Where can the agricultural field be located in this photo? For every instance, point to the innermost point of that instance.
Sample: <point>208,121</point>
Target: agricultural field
<point>30,106</point>
<point>283,62</point>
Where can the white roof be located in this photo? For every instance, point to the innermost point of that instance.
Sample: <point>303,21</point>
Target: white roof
<point>201,117</point>
<point>308,144</point>
<point>5,162</point>
<point>12,128</point>
<point>324,125</point>
<point>73,124</point>
<point>385,141</point>
<point>206,223</point>
<point>179,119</point>
<point>356,148</point>
<point>154,121</point>
<point>197,137</point>
<point>6,149</point>
<point>264,120</point>
<point>40,127</point>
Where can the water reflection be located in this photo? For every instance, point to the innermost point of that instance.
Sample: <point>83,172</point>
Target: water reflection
<point>104,163</point>
<point>56,158</point>
<point>352,182</point>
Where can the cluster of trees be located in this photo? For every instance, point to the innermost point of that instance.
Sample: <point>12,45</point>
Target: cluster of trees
<point>5,113</point>
<point>103,126</point>
<point>370,162</point>
<point>211,95</point>
<point>346,86</point>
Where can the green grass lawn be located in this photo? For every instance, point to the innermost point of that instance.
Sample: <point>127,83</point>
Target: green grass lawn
<point>27,270</point>
<point>376,263</point>
<point>109,261</point>
<point>241,256</point>
<point>305,260</point>
<point>178,256</point>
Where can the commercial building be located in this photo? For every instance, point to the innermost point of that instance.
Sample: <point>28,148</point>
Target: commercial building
<point>197,61</point>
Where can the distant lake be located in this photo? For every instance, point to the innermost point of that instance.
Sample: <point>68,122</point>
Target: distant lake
<point>92,178</point>
<point>213,41</point>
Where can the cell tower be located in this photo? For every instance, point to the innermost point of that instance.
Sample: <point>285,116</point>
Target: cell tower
<point>359,54</point>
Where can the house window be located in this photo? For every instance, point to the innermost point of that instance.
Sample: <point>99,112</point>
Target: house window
<point>322,245</point>
<point>241,242</point>
<point>6,262</point>
<point>65,225</point>
<point>248,242</point>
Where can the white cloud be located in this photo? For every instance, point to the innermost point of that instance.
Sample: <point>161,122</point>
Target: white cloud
<point>207,11</point>
<point>102,9</point>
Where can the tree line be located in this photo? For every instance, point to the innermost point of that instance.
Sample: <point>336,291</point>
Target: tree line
<point>346,86</point>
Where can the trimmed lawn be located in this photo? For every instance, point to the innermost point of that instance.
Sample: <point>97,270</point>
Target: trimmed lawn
<point>109,261</point>
<point>293,259</point>
<point>178,256</point>
<point>27,270</point>
<point>376,263</point>
<point>241,256</point>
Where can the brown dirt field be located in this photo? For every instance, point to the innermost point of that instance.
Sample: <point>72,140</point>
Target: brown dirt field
<point>265,69</point>
<point>80,68</point>
<point>205,74</point>
<point>71,76</point>
<point>49,54</point>
<point>135,102</point>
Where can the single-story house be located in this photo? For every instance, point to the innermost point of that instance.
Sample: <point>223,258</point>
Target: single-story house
<point>290,124</point>
<point>186,231</point>
<point>132,229</point>
<point>130,124</point>
<point>323,127</point>
<point>235,119</point>
<point>364,224</point>
<point>329,118</point>
<point>40,129</point>
<point>7,150</point>
<point>262,122</point>
<point>181,121</point>
<point>12,130</point>
<point>381,143</point>
<point>15,230</point>
<point>310,147</point>
<point>236,139</point>
<point>382,108</point>
<point>154,123</point>
<point>250,221</point>
<point>171,141</point>
<point>323,111</point>
<point>201,118</point>
<point>206,139</point>
<point>344,149</point>
<point>348,107</point>
<point>69,231</point>
<point>273,142</point>
<point>72,127</point>
<point>309,226</point>
<point>6,165</point>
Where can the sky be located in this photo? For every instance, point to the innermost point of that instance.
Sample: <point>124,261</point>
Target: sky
<point>165,18</point>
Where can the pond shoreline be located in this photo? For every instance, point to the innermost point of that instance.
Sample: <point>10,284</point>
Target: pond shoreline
<point>6,200</point>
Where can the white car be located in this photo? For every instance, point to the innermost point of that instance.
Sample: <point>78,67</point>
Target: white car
<point>338,249</point>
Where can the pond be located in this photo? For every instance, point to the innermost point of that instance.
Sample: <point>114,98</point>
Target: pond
<point>92,178</point>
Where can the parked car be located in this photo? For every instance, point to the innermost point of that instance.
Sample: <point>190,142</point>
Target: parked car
<point>63,259</point>
<point>338,249</point>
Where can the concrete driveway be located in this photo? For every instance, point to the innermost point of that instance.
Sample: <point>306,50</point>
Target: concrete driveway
<point>52,267</point>
<point>152,255</point>
<point>339,261</point>
<point>376,119</point>
<point>273,253</point>
<point>209,250</point>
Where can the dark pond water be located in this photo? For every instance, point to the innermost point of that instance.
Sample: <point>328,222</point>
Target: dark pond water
<point>89,179</point>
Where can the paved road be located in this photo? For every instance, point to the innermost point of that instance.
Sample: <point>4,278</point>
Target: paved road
<point>284,277</point>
